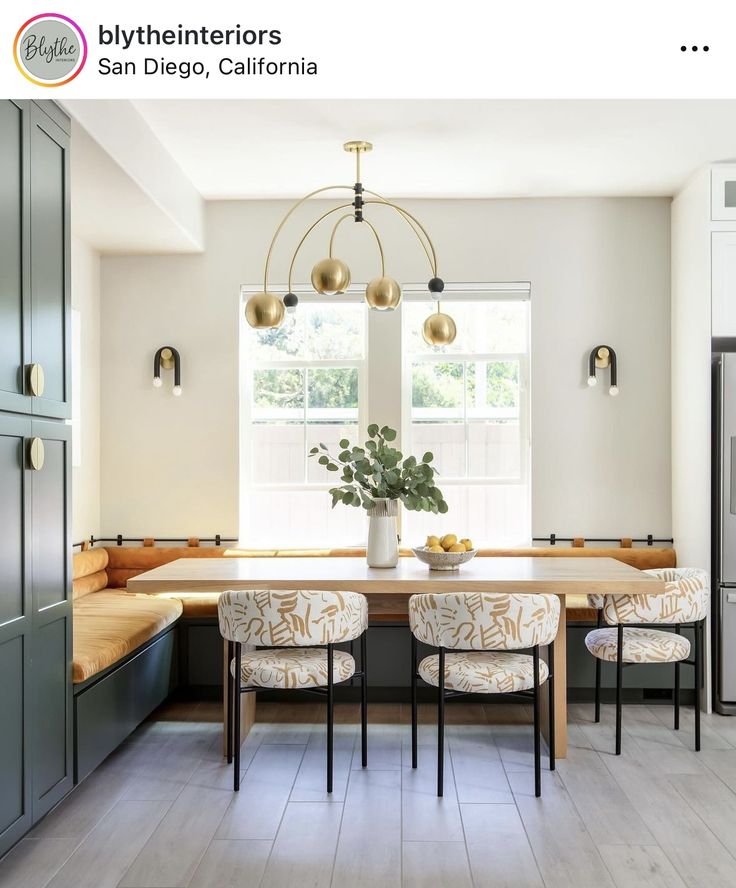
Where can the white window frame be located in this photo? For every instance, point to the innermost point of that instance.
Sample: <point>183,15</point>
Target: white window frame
<point>246,366</point>
<point>457,292</point>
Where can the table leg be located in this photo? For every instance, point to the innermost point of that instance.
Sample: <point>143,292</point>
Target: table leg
<point>559,667</point>
<point>247,703</point>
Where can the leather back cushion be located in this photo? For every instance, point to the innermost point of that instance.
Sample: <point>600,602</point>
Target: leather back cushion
<point>128,561</point>
<point>88,572</point>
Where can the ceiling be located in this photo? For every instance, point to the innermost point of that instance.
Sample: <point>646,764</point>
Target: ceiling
<point>452,149</point>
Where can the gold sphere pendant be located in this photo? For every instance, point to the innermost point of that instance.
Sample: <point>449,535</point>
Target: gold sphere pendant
<point>439,329</point>
<point>330,276</point>
<point>264,310</point>
<point>383,294</point>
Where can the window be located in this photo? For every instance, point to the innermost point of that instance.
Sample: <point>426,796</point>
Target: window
<point>468,404</point>
<point>304,383</point>
<point>308,381</point>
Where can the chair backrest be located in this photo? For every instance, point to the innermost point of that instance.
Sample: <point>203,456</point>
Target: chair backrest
<point>685,599</point>
<point>292,618</point>
<point>484,621</point>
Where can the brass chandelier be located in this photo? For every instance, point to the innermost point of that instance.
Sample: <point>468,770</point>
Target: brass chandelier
<point>331,276</point>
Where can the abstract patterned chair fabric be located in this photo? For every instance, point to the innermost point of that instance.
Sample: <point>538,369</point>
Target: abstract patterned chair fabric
<point>291,618</point>
<point>685,600</point>
<point>478,636</point>
<point>295,627</point>
<point>632,638</point>
<point>484,621</point>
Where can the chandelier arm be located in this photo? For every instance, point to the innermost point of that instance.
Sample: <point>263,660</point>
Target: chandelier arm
<point>307,233</point>
<point>334,230</point>
<point>286,218</point>
<point>380,246</point>
<point>375,234</point>
<point>414,224</point>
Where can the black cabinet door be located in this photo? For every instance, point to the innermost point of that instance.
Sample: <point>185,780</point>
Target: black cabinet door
<point>15,633</point>
<point>15,329</point>
<point>49,263</point>
<point>51,605</point>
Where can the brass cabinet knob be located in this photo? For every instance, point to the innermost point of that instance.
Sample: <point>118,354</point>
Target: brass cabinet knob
<point>35,380</point>
<point>36,454</point>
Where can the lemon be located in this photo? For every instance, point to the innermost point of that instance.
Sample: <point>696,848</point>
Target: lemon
<point>432,541</point>
<point>436,549</point>
<point>449,539</point>
<point>468,544</point>
<point>458,547</point>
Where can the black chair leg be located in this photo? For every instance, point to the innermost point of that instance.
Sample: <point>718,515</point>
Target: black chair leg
<point>537,742</point>
<point>551,708</point>
<point>364,701</point>
<point>698,667</point>
<point>413,702</point>
<point>598,676</point>
<point>330,715</point>
<point>229,703</point>
<point>676,695</point>
<point>236,719</point>
<point>441,724</point>
<point>619,684</point>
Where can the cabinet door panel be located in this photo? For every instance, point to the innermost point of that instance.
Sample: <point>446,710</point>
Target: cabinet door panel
<point>52,617</point>
<point>48,533</point>
<point>15,634</point>
<point>14,254</point>
<point>50,281</point>
<point>723,283</point>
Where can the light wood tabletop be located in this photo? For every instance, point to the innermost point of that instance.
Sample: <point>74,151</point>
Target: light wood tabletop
<point>388,589</point>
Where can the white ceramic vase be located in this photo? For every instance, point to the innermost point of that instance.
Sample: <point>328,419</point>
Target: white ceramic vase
<point>383,543</point>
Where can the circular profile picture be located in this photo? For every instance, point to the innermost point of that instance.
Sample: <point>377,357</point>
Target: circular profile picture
<point>50,49</point>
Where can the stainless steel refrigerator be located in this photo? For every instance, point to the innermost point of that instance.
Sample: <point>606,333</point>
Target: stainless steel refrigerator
<point>724,525</point>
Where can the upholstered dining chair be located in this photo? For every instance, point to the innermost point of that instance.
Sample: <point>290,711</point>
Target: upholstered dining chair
<point>632,635</point>
<point>296,633</point>
<point>477,636</point>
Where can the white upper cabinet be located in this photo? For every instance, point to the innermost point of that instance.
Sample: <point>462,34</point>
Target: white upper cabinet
<point>723,276</point>
<point>723,193</point>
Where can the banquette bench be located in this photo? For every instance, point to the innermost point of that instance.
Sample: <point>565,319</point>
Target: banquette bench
<point>125,652</point>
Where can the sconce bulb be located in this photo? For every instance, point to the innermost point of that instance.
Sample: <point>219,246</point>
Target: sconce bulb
<point>291,309</point>
<point>613,391</point>
<point>157,381</point>
<point>176,390</point>
<point>592,381</point>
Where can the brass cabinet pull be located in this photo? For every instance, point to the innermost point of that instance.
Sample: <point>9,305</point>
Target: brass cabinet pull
<point>35,379</point>
<point>36,454</point>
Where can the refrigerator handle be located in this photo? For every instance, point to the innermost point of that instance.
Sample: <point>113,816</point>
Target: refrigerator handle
<point>732,504</point>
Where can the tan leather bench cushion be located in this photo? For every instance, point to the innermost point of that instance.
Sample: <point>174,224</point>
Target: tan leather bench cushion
<point>111,624</point>
<point>88,572</point>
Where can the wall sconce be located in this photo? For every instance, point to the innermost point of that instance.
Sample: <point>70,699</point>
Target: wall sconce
<point>603,356</point>
<point>168,358</point>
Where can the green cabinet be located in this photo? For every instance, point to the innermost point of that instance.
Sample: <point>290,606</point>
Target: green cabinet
<point>35,283</point>
<point>36,751</point>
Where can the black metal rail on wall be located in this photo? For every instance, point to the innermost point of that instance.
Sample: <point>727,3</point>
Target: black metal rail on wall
<point>217,540</point>
<point>649,539</point>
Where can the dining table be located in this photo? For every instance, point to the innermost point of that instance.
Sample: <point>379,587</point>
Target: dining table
<point>388,591</point>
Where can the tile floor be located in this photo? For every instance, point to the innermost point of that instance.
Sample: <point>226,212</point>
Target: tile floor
<point>160,811</point>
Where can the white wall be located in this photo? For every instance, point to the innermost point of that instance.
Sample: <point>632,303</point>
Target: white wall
<point>599,270</point>
<point>86,476</point>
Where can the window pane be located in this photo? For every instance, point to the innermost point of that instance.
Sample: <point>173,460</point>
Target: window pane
<point>495,514</point>
<point>494,445</point>
<point>332,389</point>
<point>482,327</point>
<point>315,332</point>
<point>278,394</point>
<point>329,434</point>
<point>437,396</point>
<point>277,453</point>
<point>283,519</point>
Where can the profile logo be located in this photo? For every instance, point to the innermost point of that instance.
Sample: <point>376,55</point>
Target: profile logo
<point>50,49</point>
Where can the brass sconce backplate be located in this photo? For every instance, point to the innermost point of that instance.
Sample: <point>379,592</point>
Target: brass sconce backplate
<point>167,359</point>
<point>603,357</point>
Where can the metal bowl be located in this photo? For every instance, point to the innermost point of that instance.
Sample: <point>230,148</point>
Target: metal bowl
<point>443,560</point>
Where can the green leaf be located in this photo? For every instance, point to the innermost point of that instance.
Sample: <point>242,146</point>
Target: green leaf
<point>345,456</point>
<point>331,467</point>
<point>410,462</point>
<point>322,446</point>
<point>388,434</point>
<point>344,443</point>
<point>372,430</point>
<point>371,445</point>
<point>442,507</point>
<point>323,460</point>
<point>428,457</point>
<point>313,451</point>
